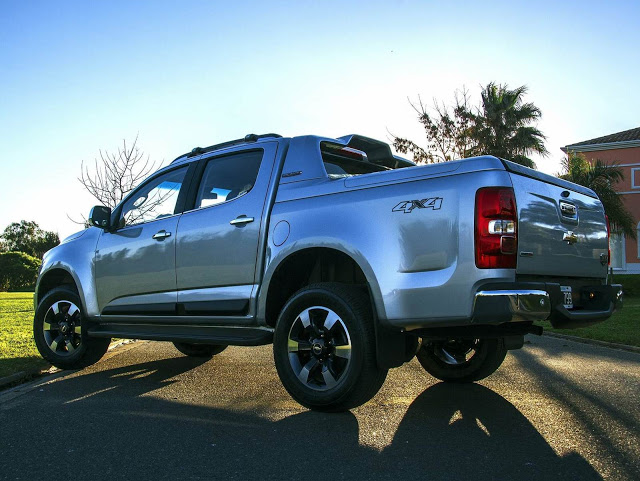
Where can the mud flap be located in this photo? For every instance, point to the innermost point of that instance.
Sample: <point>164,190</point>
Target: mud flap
<point>394,348</point>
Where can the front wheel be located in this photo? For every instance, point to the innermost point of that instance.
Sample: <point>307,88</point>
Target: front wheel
<point>59,331</point>
<point>324,348</point>
<point>462,360</point>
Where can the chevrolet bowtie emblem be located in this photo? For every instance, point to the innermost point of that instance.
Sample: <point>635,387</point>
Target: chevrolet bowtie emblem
<point>570,238</point>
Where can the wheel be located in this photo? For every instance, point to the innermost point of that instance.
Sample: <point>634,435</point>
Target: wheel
<point>462,360</point>
<point>198,350</point>
<point>60,333</point>
<point>324,348</point>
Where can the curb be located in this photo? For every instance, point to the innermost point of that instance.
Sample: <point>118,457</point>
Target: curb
<point>594,342</point>
<point>24,376</point>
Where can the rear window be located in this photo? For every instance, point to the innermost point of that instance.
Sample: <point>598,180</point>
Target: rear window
<point>340,161</point>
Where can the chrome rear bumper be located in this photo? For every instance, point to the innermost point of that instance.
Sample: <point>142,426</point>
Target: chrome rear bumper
<point>512,305</point>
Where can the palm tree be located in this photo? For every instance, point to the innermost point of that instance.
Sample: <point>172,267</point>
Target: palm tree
<point>601,178</point>
<point>501,126</point>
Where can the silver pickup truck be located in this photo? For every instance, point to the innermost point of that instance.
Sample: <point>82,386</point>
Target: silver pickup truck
<point>350,260</point>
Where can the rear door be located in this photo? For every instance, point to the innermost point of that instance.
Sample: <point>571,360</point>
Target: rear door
<point>561,232</point>
<point>217,244</point>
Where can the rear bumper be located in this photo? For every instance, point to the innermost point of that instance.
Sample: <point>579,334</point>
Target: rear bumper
<point>525,301</point>
<point>511,305</point>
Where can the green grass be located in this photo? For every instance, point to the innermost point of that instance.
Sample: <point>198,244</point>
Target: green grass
<point>622,328</point>
<point>17,350</point>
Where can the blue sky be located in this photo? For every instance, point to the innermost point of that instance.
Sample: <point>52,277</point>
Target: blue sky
<point>81,76</point>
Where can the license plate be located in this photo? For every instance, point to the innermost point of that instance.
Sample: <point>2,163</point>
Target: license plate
<point>568,300</point>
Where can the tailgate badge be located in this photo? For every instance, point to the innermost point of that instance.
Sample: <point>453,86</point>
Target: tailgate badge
<point>570,238</point>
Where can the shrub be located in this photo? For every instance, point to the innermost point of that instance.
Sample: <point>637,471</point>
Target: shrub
<point>17,271</point>
<point>630,284</point>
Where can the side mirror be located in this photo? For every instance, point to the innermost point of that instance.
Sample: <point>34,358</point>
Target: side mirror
<point>100,216</point>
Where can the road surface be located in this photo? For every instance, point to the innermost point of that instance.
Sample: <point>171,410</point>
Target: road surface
<point>555,410</point>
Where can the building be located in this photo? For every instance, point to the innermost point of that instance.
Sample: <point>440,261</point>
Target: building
<point>623,149</point>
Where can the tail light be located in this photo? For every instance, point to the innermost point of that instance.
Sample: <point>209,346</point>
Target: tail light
<point>608,237</point>
<point>496,236</point>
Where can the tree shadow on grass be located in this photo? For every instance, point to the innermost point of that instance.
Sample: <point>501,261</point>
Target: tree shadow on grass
<point>105,425</point>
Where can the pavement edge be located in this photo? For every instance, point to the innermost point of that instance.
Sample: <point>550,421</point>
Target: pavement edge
<point>594,342</point>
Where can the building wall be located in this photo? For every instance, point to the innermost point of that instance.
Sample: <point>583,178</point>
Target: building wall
<point>629,160</point>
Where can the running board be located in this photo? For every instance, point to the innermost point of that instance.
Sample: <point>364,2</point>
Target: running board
<point>231,336</point>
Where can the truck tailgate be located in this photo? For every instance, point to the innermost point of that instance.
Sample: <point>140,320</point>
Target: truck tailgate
<point>561,231</point>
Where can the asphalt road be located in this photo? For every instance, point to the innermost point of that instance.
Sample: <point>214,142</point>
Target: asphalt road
<point>555,410</point>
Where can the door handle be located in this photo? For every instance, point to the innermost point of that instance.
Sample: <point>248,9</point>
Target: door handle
<point>161,235</point>
<point>241,220</point>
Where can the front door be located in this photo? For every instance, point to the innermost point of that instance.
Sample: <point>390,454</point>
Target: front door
<point>217,242</point>
<point>135,264</point>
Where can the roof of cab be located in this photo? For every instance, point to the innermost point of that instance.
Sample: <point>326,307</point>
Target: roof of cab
<point>249,138</point>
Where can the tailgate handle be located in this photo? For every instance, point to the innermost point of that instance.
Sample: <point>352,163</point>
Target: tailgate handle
<point>568,210</point>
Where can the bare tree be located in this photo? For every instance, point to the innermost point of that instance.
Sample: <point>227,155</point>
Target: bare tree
<point>446,129</point>
<point>116,174</point>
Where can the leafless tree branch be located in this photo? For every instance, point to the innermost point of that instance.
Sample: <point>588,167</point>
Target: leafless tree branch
<point>114,175</point>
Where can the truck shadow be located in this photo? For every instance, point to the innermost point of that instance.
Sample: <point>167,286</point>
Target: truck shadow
<point>615,431</point>
<point>110,424</point>
<point>470,432</point>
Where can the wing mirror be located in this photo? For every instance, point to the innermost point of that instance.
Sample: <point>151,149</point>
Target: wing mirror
<point>100,216</point>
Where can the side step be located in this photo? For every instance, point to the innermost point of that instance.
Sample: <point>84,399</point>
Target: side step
<point>232,336</point>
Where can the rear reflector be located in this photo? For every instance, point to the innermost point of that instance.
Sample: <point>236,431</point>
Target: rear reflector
<point>496,234</point>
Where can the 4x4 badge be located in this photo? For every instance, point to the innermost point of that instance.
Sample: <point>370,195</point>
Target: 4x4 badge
<point>407,206</point>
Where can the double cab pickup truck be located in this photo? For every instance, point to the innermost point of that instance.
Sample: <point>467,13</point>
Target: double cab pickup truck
<point>348,259</point>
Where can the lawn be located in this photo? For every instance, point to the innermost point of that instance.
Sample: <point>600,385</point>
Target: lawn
<point>17,350</point>
<point>622,328</point>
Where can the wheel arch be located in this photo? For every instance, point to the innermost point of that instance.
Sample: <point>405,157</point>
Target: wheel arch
<point>55,277</point>
<point>294,269</point>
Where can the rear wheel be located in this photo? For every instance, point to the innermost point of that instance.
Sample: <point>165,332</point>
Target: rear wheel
<point>462,360</point>
<point>324,348</point>
<point>59,331</point>
<point>198,350</point>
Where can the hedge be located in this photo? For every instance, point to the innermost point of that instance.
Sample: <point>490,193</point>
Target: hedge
<point>17,271</point>
<point>630,284</point>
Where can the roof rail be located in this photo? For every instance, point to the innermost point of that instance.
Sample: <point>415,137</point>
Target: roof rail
<point>247,138</point>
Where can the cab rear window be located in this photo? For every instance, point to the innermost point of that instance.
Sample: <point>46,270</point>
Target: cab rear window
<point>340,161</point>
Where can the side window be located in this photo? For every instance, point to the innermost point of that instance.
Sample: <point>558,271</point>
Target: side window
<point>228,177</point>
<point>153,200</point>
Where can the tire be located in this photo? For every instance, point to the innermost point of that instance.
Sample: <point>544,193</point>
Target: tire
<point>60,331</point>
<point>198,350</point>
<point>324,348</point>
<point>462,360</point>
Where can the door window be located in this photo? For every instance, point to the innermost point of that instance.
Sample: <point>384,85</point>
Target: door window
<point>226,178</point>
<point>154,200</point>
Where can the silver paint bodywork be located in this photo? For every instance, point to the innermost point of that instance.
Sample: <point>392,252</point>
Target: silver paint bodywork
<point>419,265</point>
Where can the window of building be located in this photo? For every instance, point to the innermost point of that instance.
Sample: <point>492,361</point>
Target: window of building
<point>635,178</point>
<point>616,246</point>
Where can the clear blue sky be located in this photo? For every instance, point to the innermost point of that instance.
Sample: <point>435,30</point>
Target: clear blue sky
<point>80,76</point>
